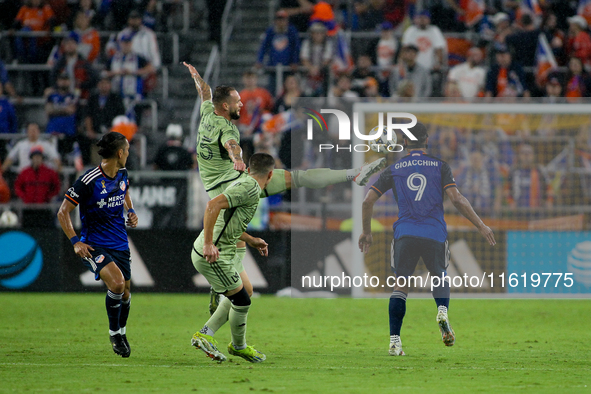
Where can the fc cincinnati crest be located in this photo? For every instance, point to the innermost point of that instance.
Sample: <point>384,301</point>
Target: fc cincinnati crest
<point>122,185</point>
<point>99,259</point>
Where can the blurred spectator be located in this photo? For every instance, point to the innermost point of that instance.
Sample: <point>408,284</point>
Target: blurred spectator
<point>5,82</point>
<point>298,12</point>
<point>88,8</point>
<point>316,54</point>
<point>386,48</point>
<point>20,152</point>
<point>371,88</point>
<point>101,109</point>
<point>33,17</point>
<point>553,89</point>
<point>452,91</point>
<point>172,156</point>
<point>370,14</point>
<point>429,40</point>
<point>527,186</point>
<point>361,73</point>
<point>37,184</point>
<point>469,76</point>
<point>405,90</point>
<point>290,94</point>
<point>151,17</point>
<point>482,187</point>
<point>8,121</point>
<point>89,44</point>
<point>578,83</point>
<point>280,45</point>
<point>579,42</point>
<point>503,27</point>
<point>409,69</point>
<point>523,43</point>
<point>80,73</point>
<point>144,41</point>
<point>342,88</point>
<point>505,78</point>
<point>61,106</point>
<point>256,100</point>
<point>127,69</point>
<point>555,37</point>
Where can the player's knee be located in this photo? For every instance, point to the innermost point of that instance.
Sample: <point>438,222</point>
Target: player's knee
<point>242,298</point>
<point>117,286</point>
<point>126,295</point>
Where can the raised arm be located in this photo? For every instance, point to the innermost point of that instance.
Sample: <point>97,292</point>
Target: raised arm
<point>202,87</point>
<point>235,153</point>
<point>366,239</point>
<point>463,205</point>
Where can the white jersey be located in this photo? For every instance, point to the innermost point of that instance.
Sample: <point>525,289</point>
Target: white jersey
<point>21,152</point>
<point>143,43</point>
<point>470,80</point>
<point>427,41</point>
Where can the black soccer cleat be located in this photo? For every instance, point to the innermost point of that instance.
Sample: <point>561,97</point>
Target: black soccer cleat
<point>119,346</point>
<point>124,337</point>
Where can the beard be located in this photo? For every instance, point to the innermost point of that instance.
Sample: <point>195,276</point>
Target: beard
<point>235,115</point>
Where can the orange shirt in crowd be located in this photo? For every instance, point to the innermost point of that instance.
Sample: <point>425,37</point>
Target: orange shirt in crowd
<point>253,99</point>
<point>580,46</point>
<point>35,18</point>
<point>91,38</point>
<point>501,82</point>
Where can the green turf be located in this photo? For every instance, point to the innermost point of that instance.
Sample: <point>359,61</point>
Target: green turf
<point>59,343</point>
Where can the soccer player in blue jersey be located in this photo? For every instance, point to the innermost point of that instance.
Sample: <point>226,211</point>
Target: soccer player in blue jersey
<point>418,182</point>
<point>102,194</point>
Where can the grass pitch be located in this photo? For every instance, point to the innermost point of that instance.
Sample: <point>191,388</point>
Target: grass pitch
<point>59,343</point>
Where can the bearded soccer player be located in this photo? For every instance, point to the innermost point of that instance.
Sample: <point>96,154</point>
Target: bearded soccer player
<point>226,218</point>
<point>102,194</point>
<point>220,157</point>
<point>418,182</point>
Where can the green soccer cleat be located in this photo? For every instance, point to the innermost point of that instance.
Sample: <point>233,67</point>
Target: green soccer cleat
<point>249,353</point>
<point>367,170</point>
<point>207,344</point>
<point>447,333</point>
<point>214,301</point>
<point>396,347</point>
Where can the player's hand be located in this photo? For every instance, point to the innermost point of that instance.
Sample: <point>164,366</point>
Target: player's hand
<point>211,253</point>
<point>240,166</point>
<point>365,241</point>
<point>132,219</point>
<point>487,233</point>
<point>192,70</point>
<point>82,249</point>
<point>260,245</point>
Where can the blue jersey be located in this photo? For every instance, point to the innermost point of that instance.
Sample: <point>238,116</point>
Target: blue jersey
<point>101,202</point>
<point>418,182</point>
<point>63,124</point>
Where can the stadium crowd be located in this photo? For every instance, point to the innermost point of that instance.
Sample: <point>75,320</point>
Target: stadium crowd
<point>401,49</point>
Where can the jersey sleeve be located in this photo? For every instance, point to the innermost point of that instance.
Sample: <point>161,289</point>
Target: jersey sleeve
<point>384,183</point>
<point>242,192</point>
<point>206,107</point>
<point>447,179</point>
<point>79,192</point>
<point>229,133</point>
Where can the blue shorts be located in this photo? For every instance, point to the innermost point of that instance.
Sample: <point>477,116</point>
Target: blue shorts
<point>102,256</point>
<point>406,252</point>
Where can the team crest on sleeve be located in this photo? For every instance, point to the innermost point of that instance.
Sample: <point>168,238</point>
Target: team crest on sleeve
<point>122,185</point>
<point>99,259</point>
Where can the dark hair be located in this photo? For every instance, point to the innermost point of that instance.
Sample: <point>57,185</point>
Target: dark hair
<point>420,132</point>
<point>261,163</point>
<point>110,144</point>
<point>221,94</point>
